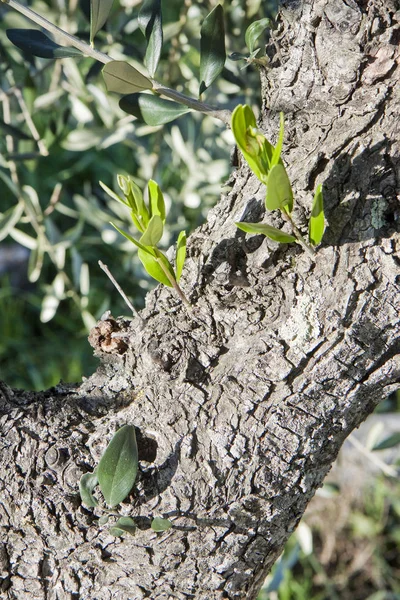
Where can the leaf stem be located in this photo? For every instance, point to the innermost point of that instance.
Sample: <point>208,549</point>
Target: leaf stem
<point>222,114</point>
<point>310,251</point>
<point>172,280</point>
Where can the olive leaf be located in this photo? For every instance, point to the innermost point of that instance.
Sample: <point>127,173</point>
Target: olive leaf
<point>118,466</point>
<point>255,148</point>
<point>212,47</point>
<point>316,225</point>
<point>156,200</point>
<point>150,23</point>
<point>180,254</point>
<point>99,13</point>
<point>123,525</point>
<point>279,190</point>
<point>87,484</point>
<point>153,233</point>
<point>37,43</point>
<point>122,78</point>
<point>152,109</point>
<point>153,263</point>
<point>274,234</point>
<point>254,31</point>
<point>158,524</point>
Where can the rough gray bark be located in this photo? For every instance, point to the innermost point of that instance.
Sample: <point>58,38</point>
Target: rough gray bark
<point>241,405</point>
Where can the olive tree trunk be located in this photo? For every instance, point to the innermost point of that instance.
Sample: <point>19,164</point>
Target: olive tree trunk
<point>241,404</point>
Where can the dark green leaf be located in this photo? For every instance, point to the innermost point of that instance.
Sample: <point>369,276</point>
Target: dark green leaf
<point>152,109</point>
<point>153,233</point>
<point>254,31</point>
<point>274,234</point>
<point>237,56</point>
<point>279,190</point>
<point>153,268</point>
<point>14,132</point>
<point>159,524</point>
<point>150,23</point>
<point>180,254</point>
<point>37,43</point>
<point>123,525</point>
<point>389,442</point>
<point>99,12</point>
<point>212,47</point>
<point>122,78</point>
<point>87,484</point>
<point>118,466</point>
<point>156,200</point>
<point>316,226</point>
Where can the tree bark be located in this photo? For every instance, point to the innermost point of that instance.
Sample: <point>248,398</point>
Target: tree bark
<point>241,404</point>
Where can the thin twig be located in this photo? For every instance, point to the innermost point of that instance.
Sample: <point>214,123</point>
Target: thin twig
<point>120,290</point>
<point>310,251</point>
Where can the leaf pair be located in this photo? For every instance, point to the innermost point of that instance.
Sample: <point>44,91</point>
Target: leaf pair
<point>149,219</point>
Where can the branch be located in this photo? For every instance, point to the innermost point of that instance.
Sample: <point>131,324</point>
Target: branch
<point>221,114</point>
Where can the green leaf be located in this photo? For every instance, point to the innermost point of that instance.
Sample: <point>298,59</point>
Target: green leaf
<point>118,466</point>
<point>276,155</point>
<point>180,254</point>
<point>150,23</point>
<point>235,56</point>
<point>152,265</point>
<point>122,78</point>
<point>112,194</point>
<point>212,47</point>
<point>134,199</point>
<point>37,43</point>
<point>144,249</point>
<point>14,131</point>
<point>87,484</point>
<point>274,234</point>
<point>152,109</point>
<point>255,148</point>
<point>156,200</point>
<point>153,233</point>
<point>389,442</point>
<point>123,525</point>
<point>139,208</point>
<point>159,524</point>
<point>99,12</point>
<point>316,226</point>
<point>104,519</point>
<point>254,31</point>
<point>279,190</point>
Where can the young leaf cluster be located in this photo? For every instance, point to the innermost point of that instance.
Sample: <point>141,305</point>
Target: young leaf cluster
<point>115,475</point>
<point>253,33</point>
<point>149,219</point>
<point>265,161</point>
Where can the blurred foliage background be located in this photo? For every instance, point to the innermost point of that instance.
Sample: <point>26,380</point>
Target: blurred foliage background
<point>60,134</point>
